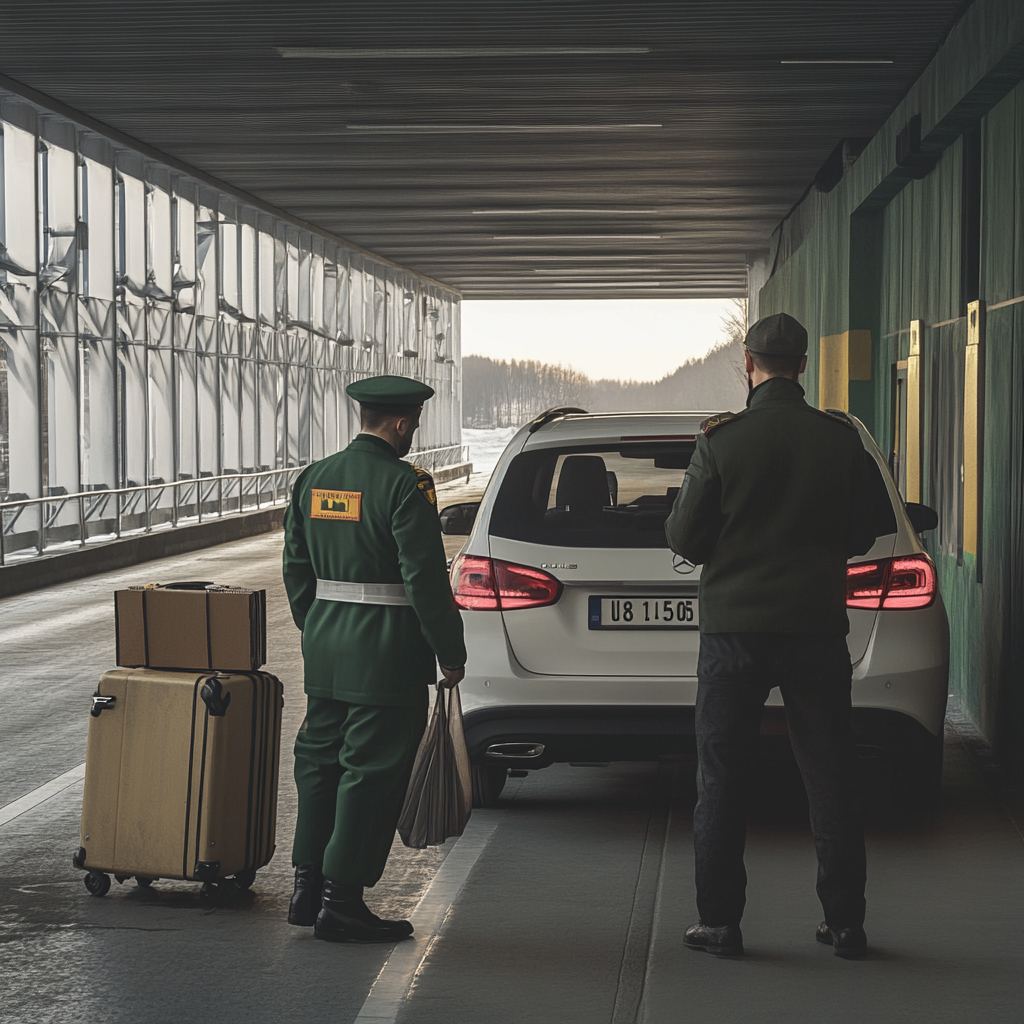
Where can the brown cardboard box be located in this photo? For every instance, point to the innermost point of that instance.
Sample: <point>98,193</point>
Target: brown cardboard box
<point>191,626</point>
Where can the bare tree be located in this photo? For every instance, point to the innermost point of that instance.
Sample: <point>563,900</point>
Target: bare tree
<point>734,323</point>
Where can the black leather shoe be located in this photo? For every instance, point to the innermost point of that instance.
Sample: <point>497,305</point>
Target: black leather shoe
<point>305,904</point>
<point>344,917</point>
<point>849,943</point>
<point>722,941</point>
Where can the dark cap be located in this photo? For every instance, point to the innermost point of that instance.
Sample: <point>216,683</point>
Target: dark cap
<point>389,389</point>
<point>777,335</point>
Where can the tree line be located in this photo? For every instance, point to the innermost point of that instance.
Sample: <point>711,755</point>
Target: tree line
<point>508,393</point>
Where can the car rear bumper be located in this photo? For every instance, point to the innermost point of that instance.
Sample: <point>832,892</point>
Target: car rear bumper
<point>574,733</point>
<point>537,736</point>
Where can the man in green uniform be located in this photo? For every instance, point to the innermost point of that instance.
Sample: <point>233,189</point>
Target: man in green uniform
<point>774,502</point>
<point>366,575</point>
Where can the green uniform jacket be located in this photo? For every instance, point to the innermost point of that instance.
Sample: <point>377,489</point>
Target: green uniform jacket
<point>365,516</point>
<point>774,502</point>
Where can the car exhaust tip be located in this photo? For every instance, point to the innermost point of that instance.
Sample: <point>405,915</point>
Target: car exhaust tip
<point>518,752</point>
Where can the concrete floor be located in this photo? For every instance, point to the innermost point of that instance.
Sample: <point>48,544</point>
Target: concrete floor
<point>578,890</point>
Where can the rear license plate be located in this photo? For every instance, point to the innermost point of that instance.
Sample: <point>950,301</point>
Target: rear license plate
<point>642,613</point>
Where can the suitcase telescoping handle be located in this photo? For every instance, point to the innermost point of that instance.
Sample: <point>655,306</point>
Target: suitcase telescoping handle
<point>101,703</point>
<point>214,698</point>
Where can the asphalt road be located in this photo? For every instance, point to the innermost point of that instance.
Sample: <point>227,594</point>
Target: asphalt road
<point>566,904</point>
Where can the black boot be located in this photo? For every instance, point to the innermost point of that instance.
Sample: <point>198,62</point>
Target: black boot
<point>725,940</point>
<point>305,904</point>
<point>849,943</point>
<point>344,917</point>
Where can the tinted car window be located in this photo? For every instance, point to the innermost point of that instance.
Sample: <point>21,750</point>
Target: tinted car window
<point>616,496</point>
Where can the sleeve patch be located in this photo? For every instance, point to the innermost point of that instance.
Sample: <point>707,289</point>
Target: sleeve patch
<point>425,484</point>
<point>336,505</point>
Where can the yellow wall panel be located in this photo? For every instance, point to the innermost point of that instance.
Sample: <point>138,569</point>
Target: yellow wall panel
<point>842,358</point>
<point>974,378</point>
<point>834,372</point>
<point>859,348</point>
<point>914,412</point>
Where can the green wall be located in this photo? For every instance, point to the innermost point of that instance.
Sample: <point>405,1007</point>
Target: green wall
<point>888,248</point>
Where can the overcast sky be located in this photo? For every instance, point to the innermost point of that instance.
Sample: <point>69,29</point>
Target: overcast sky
<point>628,339</point>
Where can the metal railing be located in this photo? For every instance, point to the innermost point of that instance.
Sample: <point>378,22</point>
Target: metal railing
<point>431,459</point>
<point>64,522</point>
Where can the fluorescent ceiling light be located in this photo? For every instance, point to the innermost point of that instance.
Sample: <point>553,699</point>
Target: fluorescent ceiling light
<point>551,238</point>
<point>400,52</point>
<point>555,212</point>
<point>575,258</point>
<point>602,284</point>
<point>567,271</point>
<point>472,129</point>
<point>835,62</point>
<point>570,259</point>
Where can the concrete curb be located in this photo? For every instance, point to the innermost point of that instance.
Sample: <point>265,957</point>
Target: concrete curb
<point>446,474</point>
<point>118,554</point>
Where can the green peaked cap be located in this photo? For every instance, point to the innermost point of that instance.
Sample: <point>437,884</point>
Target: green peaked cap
<point>777,335</point>
<point>389,389</point>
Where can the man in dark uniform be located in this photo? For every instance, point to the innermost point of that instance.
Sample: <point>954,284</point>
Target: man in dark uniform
<point>773,504</point>
<point>366,575</point>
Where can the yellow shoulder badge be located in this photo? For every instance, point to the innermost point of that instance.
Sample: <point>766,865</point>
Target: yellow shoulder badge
<point>336,505</point>
<point>712,423</point>
<point>425,483</point>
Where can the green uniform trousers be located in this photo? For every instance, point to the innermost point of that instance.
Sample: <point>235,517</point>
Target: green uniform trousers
<point>352,768</point>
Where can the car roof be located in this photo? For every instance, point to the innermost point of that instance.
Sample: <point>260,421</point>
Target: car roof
<point>592,428</point>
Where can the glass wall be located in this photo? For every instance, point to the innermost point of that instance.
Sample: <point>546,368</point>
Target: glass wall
<point>153,328</point>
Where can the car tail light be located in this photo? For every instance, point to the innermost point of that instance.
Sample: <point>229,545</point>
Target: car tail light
<point>890,583</point>
<point>474,584</point>
<point>911,583</point>
<point>865,584</point>
<point>490,584</point>
<point>522,587</point>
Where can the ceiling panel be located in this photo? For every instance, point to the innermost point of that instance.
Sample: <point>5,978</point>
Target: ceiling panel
<point>511,149</point>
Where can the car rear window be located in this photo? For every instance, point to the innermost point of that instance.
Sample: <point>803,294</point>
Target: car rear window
<point>603,496</point>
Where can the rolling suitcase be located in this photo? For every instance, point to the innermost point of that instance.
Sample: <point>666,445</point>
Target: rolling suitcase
<point>180,777</point>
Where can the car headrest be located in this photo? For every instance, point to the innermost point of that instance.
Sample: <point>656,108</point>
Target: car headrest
<point>583,484</point>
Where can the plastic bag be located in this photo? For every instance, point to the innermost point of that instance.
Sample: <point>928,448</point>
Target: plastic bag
<point>440,795</point>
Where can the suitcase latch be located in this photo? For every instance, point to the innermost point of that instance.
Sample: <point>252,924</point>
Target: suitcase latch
<point>100,703</point>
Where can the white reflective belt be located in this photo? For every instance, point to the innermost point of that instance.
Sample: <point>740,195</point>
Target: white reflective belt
<point>362,593</point>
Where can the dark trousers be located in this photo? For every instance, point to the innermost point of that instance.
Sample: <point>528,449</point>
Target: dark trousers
<point>352,768</point>
<point>735,672</point>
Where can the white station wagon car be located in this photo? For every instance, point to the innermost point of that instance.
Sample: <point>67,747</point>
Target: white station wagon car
<point>582,625</point>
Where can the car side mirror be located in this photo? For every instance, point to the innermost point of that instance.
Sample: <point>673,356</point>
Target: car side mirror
<point>922,517</point>
<point>458,520</point>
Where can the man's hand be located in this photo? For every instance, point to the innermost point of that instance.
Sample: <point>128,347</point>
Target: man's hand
<point>452,676</point>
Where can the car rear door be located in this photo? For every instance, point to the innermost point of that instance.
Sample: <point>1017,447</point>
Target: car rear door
<point>558,639</point>
<point>593,517</point>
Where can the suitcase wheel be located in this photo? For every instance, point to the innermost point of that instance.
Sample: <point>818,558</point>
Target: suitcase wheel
<point>244,879</point>
<point>97,883</point>
<point>142,882</point>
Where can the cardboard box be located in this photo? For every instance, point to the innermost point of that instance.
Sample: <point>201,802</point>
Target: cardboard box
<point>191,626</point>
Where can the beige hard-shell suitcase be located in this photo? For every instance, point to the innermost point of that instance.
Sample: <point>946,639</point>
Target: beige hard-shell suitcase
<point>180,776</point>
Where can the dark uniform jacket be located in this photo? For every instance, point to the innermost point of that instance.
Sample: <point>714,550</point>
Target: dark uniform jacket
<point>774,502</point>
<point>365,516</point>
